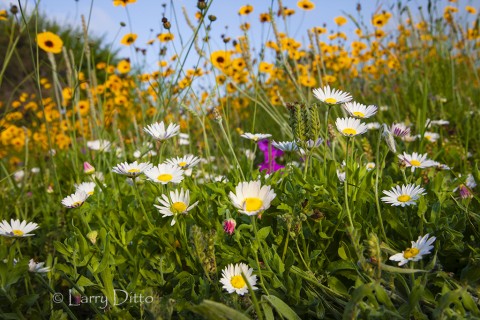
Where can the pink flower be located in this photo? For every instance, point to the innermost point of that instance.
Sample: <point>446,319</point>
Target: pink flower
<point>229,226</point>
<point>88,168</point>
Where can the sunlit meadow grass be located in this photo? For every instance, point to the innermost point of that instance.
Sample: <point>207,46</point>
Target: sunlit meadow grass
<point>334,178</point>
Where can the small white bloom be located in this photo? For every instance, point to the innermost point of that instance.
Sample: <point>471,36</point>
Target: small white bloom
<point>17,229</point>
<point>37,267</point>
<point>341,175</point>
<point>177,204</point>
<point>252,198</point>
<point>331,96</point>
<point>373,125</point>
<point>285,145</point>
<point>185,162</point>
<point>75,200</point>
<point>165,173</point>
<point>350,126</point>
<point>416,160</point>
<point>18,175</point>
<point>359,110</point>
<point>431,136</point>
<point>419,248</point>
<point>99,145</point>
<point>255,136</point>
<point>87,187</point>
<point>370,166</point>
<point>158,131</point>
<point>233,280</point>
<point>131,170</point>
<point>35,170</point>
<point>404,195</point>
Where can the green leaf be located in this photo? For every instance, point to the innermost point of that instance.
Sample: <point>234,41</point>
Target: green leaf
<point>84,282</point>
<point>263,233</point>
<point>342,253</point>
<point>282,308</point>
<point>214,310</point>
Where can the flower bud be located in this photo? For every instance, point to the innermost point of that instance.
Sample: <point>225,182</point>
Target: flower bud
<point>229,226</point>
<point>92,236</point>
<point>88,168</point>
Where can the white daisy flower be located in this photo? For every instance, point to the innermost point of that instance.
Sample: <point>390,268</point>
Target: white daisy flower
<point>431,136</point>
<point>158,131</point>
<point>350,126</point>
<point>131,170</point>
<point>251,198</point>
<point>285,145</point>
<point>416,160</point>
<point>441,122</point>
<point>255,136</point>
<point>184,139</point>
<point>399,130</point>
<point>17,229</point>
<point>373,125</point>
<point>359,110</point>
<point>184,162</point>
<point>233,281</point>
<point>37,267</point>
<point>165,173</point>
<point>405,195</point>
<point>409,138</point>
<point>177,204</point>
<point>75,200</point>
<point>370,166</point>
<point>331,96</point>
<point>419,248</point>
<point>87,187</point>
<point>99,145</point>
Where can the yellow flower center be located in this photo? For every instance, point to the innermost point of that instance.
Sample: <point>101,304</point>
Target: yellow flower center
<point>410,253</point>
<point>76,204</point>
<point>349,131</point>
<point>253,204</point>
<point>404,198</point>
<point>90,193</point>
<point>359,114</point>
<point>178,207</point>
<point>165,177</point>
<point>415,163</point>
<point>182,164</point>
<point>238,282</point>
<point>134,170</point>
<point>331,100</point>
<point>17,233</point>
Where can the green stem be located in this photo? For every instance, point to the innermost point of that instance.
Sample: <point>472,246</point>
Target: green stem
<point>137,195</point>
<point>325,142</point>
<point>378,173</point>
<point>345,183</point>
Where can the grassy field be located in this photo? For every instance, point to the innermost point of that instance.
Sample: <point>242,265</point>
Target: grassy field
<point>330,178</point>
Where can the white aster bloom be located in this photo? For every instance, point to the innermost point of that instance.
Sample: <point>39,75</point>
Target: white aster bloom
<point>255,136</point>
<point>370,166</point>
<point>416,160</point>
<point>419,248</point>
<point>399,130</point>
<point>159,132</point>
<point>75,200</point>
<point>285,145</point>
<point>99,145</point>
<point>37,267</point>
<point>233,281</point>
<point>373,125</point>
<point>165,173</point>
<point>185,162</point>
<point>359,110</point>
<point>131,170</point>
<point>404,195</point>
<point>17,229</point>
<point>431,136</point>
<point>350,126</point>
<point>252,198</point>
<point>177,204</point>
<point>331,96</point>
<point>87,187</point>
